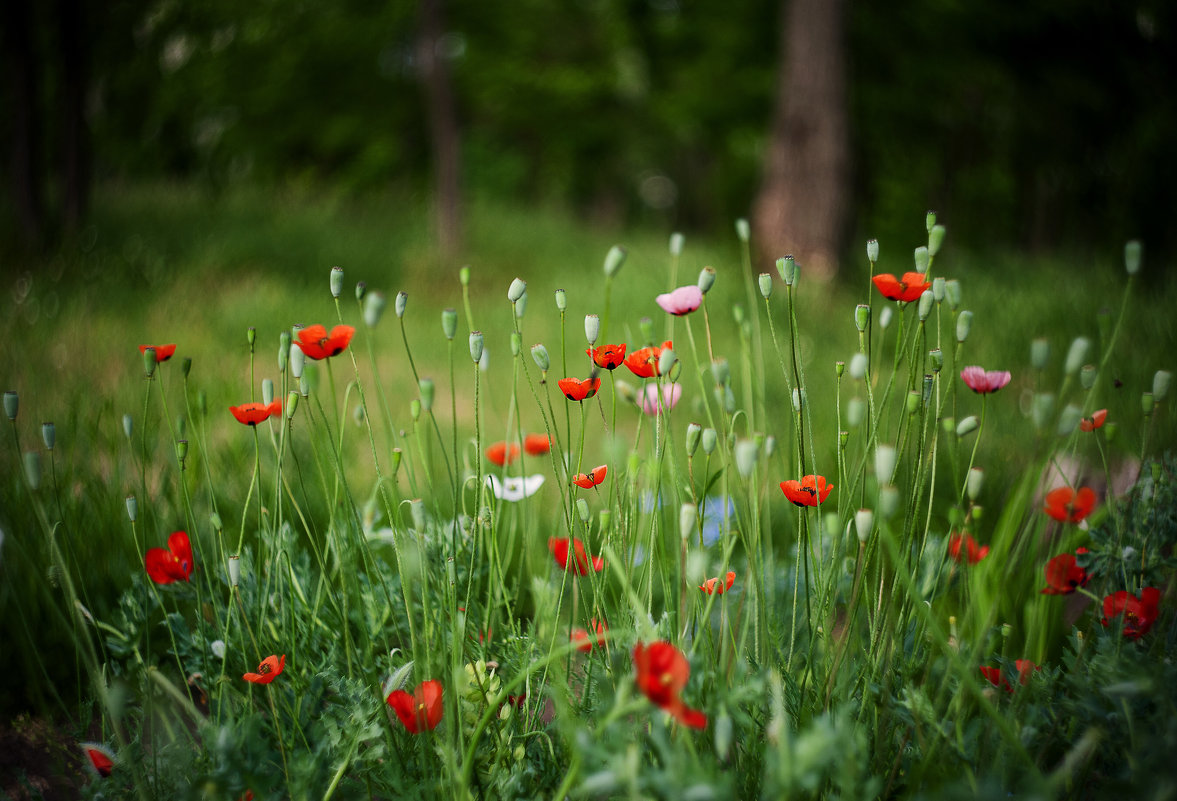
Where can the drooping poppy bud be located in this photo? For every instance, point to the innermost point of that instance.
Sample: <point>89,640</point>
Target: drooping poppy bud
<point>516,290</point>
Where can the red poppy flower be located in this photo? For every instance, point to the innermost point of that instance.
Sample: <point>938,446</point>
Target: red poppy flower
<point>905,289</point>
<point>576,390</point>
<point>317,344</point>
<point>983,382</point>
<point>1093,422</point>
<point>709,586</point>
<point>809,491</point>
<point>99,759</point>
<point>662,672</point>
<point>584,641</point>
<point>608,357</point>
<point>268,670</point>
<point>537,444</point>
<point>1066,505</point>
<point>1025,670</point>
<point>1139,613</point>
<point>643,362</point>
<point>162,352</point>
<point>1064,576</point>
<point>502,454</point>
<point>559,548</point>
<point>972,551</point>
<point>251,414</point>
<point>590,479</point>
<point>174,563</point>
<point>421,710</point>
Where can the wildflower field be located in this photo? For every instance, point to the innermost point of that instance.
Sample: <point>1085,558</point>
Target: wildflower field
<point>581,520</point>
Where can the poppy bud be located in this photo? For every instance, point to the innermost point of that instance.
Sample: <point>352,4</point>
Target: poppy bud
<point>922,260</point>
<point>743,230</point>
<point>48,435</point>
<point>885,317</point>
<point>706,279</point>
<point>132,508</point>
<point>582,510</point>
<point>913,401</point>
<point>769,445</point>
<point>864,521</point>
<point>11,404</point>
<point>1039,353</point>
<point>181,427</point>
<point>605,516</point>
<point>765,285</point>
<point>250,336</point>
<point>561,300</point>
<point>728,399</point>
<point>1041,408</point>
<point>613,260</point>
<point>402,301</point>
<point>839,368</point>
<point>935,239</point>
<point>361,290</point>
<point>426,387</point>
<point>33,468</point>
<point>128,426</point>
<point>927,395</point>
<point>304,387</point>
<point>843,438</point>
<point>291,404</point>
<point>858,366</point>
<point>1069,419</point>
<point>855,411</point>
<point>521,306</point>
<point>148,362</point>
<point>666,361</point>
<point>186,366</point>
<point>1160,384</point>
<point>415,409</point>
<point>676,243</point>
<point>787,267</point>
<point>592,328</point>
<point>358,414</point>
<point>738,313</point>
<point>939,288</point>
<point>1076,355</point>
<point>888,501</point>
<point>267,391</point>
<point>925,307</point>
<point>417,512</point>
<point>516,343</point>
<point>964,324</point>
<point>948,424</point>
<point>1132,252</point>
<point>967,426</point>
<point>885,457</point>
<point>297,360</point>
<point>181,450</point>
<point>952,292</point>
<point>336,281</point>
<point>930,219</point>
<point>974,482</point>
<point>1109,431</point>
<point>374,304</point>
<point>516,290</point>
<point>721,371</point>
<point>1147,401</point>
<point>723,735</point>
<point>746,452</point>
<point>464,276</point>
<point>395,462</point>
<point>484,362</point>
<point>1087,376</point>
<point>476,346</point>
<point>647,328</point>
<point>694,431</point>
<point>936,359</point>
<point>861,317</point>
<point>234,570</point>
<point>708,440</point>
<point>800,399</point>
<point>872,250</point>
<point>540,354</point>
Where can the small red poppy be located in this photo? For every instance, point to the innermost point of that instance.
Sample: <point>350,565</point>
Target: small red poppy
<point>809,491</point>
<point>709,586</point>
<point>585,642</point>
<point>1139,613</point>
<point>971,550</point>
<point>559,548</point>
<point>421,710</point>
<point>268,670</point>
<point>174,563</point>
<point>662,673</point>
<point>643,362</point>
<point>251,414</point>
<point>576,390</point>
<point>905,289</point>
<point>1066,505</point>
<point>1064,576</point>
<point>1093,422</point>
<point>537,444</point>
<point>608,357</point>
<point>162,352</point>
<point>99,759</point>
<point>317,344</point>
<point>502,453</point>
<point>1025,670</point>
<point>592,478</point>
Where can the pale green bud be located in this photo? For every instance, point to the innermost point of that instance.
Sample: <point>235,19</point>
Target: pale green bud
<point>426,387</point>
<point>336,281</point>
<point>561,300</point>
<point>267,391</point>
<point>936,359</point>
<point>952,292</point>
<point>769,445</point>
<point>361,290</point>
<point>402,302</point>
<point>49,435</point>
<point>592,328</point>
<point>913,401</point>
<point>885,457</point>
<point>1069,419</point>
<point>234,571</point>
<point>464,276</point>
<point>1160,384</point>
<point>476,346</point>
<point>922,260</point>
<point>855,412</point>
<point>1076,355</point>
<point>864,521</point>
<point>132,508</point>
<point>861,317</point>
<point>521,306</point>
<point>516,290</point>
<point>148,364</point>
<point>33,468</point>
<point>484,362</point>
<point>746,454</point>
<point>721,371</point>
<point>666,361</point>
<point>888,501</point>
<point>694,431</point>
<point>374,303</point>
<point>128,426</point>
<point>724,735</point>
<point>858,364</point>
<point>743,230</point>
<point>1087,376</point>
<point>297,360</point>
<point>417,513</point>
<point>935,239</point>
<point>800,399</point>
<point>964,324</point>
<point>605,516</point>
<point>885,317</point>
<point>787,267</point>
<point>939,288</point>
<point>765,281</point>
<point>738,313</point>
<point>516,343</point>
<point>215,520</point>
<point>709,440</point>
<point>540,354</point>
<point>449,323</point>
<point>872,250</point>
<point>1147,401</point>
<point>930,220</point>
<point>974,482</point>
<point>12,402</point>
<point>395,462</point>
<point>1132,252</point>
<point>967,426</point>
<point>706,279</point>
<point>1041,409</point>
<point>291,404</point>
<point>582,510</point>
<point>688,518</point>
<point>1040,353</point>
<point>415,409</point>
<point>676,243</point>
<point>614,259</point>
<point>925,307</point>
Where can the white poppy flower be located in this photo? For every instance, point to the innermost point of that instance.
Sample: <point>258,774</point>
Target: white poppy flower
<point>515,488</point>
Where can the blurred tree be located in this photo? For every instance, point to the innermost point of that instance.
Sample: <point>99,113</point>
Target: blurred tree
<point>443,124</point>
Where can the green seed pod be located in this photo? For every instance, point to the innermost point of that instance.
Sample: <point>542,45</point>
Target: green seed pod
<point>128,426</point>
<point>426,387</point>
<point>1087,376</point>
<point>298,360</point>
<point>395,462</point>
<point>1132,252</point>
<point>885,457</point>
<point>1040,353</point>
<point>402,302</point>
<point>149,362</point>
<point>605,517</point>
<point>336,281</point>
<point>1041,409</point>
<point>561,300</point>
<point>952,292</point>
<point>746,454</point>
<point>449,323</point>
<point>743,230</point>
<point>215,520</point>
<point>516,289</point>
<point>1069,419</point>
<point>291,404</point>
<point>936,359</point>
<point>861,317</point>
<point>476,346</point>
<point>967,426</point>
<point>33,468</point>
<point>1147,401</point>
<point>709,440</point>
<point>922,260</point>
<point>939,288</point>
<point>417,513</point>
<point>666,361</point>
<point>694,432</point>
<point>864,521</point>
<point>927,299</point>
<point>516,343</point>
<point>48,435</point>
<point>267,391</point>
<point>913,401</point>
<point>964,323</point>
<point>540,354</point>
<point>374,305</point>
<point>765,282</point>
<point>935,239</point>
<point>872,250</point>
<point>706,279</point>
<point>676,243</point>
<point>11,404</point>
<point>974,482</point>
<point>361,290</point>
<point>787,267</point>
<point>592,328</point>
<point>1160,384</point>
<point>415,409</point>
<point>843,438</point>
<point>132,508</point>
<point>582,510</point>
<point>930,219</point>
<point>234,570</point>
<point>521,306</point>
<point>283,350</point>
<point>721,371</point>
<point>839,368</point>
<point>927,394</point>
<point>304,387</point>
<point>251,336</point>
<point>182,450</point>
<point>1076,355</point>
<point>855,412</point>
<point>464,276</point>
<point>888,501</point>
<point>614,259</point>
<point>186,366</point>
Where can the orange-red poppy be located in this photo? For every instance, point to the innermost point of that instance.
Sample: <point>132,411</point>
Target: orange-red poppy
<point>576,390</point>
<point>174,563</point>
<point>965,548</point>
<point>421,710</point>
<point>1064,575</point>
<point>713,585</point>
<point>317,344</point>
<point>99,759</point>
<point>268,670</point>
<point>251,414</point>
<point>586,641</point>
<point>592,478</point>
<point>1096,420</point>
<point>162,352</point>
<point>643,362</point>
<point>662,672</point>
<point>1139,613</point>
<point>1025,670</point>
<point>809,491</point>
<point>608,357</point>
<point>502,453</point>
<point>1066,505</point>
<point>559,548</point>
<point>537,444</point>
<point>905,289</point>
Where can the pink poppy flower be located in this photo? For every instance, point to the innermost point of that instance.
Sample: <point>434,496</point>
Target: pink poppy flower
<point>649,399</point>
<point>683,300</point>
<point>982,382</point>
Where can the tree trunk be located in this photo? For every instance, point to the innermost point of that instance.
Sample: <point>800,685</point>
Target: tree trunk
<point>801,208</point>
<point>75,134</point>
<point>24,150</point>
<point>443,126</point>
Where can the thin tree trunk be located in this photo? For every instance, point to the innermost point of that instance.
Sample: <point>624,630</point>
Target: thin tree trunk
<point>24,152</point>
<point>801,208</point>
<point>443,126</point>
<point>75,134</point>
